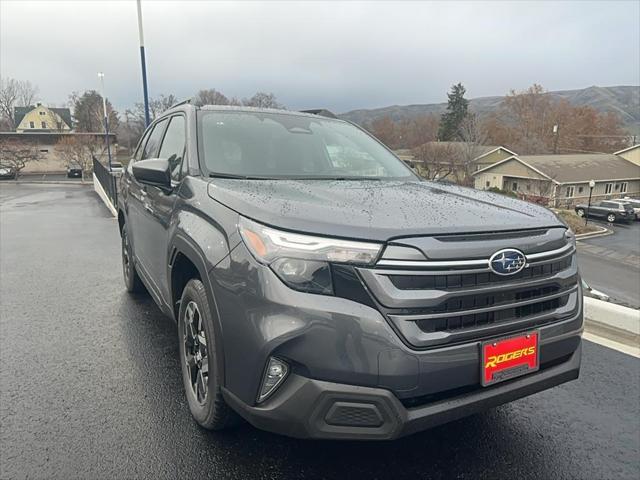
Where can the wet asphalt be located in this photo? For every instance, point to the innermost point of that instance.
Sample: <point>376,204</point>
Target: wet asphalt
<point>90,384</point>
<point>611,263</point>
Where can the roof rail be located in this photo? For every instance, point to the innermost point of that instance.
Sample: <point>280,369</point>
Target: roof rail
<point>188,100</point>
<point>323,112</point>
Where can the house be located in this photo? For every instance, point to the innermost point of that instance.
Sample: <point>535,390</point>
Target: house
<point>632,154</point>
<point>39,118</point>
<point>562,180</point>
<point>454,160</point>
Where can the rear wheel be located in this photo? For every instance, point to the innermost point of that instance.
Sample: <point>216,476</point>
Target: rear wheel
<point>611,218</point>
<point>580,212</point>
<point>200,369</point>
<point>131,278</point>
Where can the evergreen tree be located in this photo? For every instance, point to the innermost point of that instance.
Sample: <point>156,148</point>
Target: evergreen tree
<point>452,120</point>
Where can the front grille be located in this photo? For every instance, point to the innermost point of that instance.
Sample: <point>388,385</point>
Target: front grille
<point>473,320</point>
<point>468,280</point>
<point>440,302</point>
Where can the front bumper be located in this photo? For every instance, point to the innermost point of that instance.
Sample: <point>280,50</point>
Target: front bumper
<point>341,351</point>
<point>307,408</point>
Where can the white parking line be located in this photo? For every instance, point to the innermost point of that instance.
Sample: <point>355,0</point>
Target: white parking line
<point>620,347</point>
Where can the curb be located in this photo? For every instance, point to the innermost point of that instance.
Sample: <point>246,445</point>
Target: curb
<point>603,232</point>
<point>51,182</point>
<point>615,322</point>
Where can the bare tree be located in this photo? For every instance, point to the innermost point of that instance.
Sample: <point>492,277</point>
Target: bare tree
<point>210,97</point>
<point>436,161</point>
<point>262,100</point>
<point>15,93</point>
<point>80,150</point>
<point>473,135</point>
<point>17,154</point>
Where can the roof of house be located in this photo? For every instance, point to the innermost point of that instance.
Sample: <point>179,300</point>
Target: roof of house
<point>632,147</point>
<point>20,112</point>
<point>478,150</point>
<point>578,167</point>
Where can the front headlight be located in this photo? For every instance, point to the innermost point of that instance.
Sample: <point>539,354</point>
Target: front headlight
<point>303,261</point>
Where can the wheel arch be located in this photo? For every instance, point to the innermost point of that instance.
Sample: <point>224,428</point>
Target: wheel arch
<point>186,262</point>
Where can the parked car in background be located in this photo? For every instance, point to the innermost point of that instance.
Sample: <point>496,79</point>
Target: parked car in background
<point>7,172</point>
<point>635,203</point>
<point>74,170</point>
<point>610,210</point>
<point>314,300</point>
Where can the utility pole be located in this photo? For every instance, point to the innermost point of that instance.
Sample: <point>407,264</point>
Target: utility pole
<point>144,66</point>
<point>106,117</point>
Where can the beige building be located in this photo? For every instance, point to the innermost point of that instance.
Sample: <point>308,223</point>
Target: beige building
<point>632,154</point>
<point>562,180</point>
<point>39,118</point>
<point>454,159</point>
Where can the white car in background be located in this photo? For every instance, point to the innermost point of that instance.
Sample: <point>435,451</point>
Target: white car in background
<point>635,203</point>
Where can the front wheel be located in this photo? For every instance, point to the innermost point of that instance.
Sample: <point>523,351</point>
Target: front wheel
<point>580,212</point>
<point>611,218</point>
<point>200,368</point>
<point>131,278</point>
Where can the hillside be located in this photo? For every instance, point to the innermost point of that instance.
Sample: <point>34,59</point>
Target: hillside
<point>623,100</point>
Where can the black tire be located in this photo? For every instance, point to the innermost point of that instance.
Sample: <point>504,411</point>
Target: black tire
<point>207,405</point>
<point>131,278</point>
<point>580,212</point>
<point>611,217</point>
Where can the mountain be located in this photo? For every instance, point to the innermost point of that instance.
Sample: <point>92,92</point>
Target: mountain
<point>623,100</point>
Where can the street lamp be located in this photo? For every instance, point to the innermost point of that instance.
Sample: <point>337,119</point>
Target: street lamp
<point>106,117</point>
<point>592,183</point>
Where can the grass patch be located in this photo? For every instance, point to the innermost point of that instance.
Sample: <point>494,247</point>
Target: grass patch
<point>576,223</point>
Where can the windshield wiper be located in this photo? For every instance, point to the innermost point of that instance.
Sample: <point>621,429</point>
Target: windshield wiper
<point>239,177</point>
<point>329,177</point>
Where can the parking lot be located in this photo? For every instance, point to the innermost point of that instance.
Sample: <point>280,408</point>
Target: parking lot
<point>90,384</point>
<point>612,263</point>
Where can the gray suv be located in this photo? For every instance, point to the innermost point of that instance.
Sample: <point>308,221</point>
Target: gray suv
<point>323,290</point>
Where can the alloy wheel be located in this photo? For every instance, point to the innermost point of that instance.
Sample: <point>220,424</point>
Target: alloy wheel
<point>126,259</point>
<point>195,351</point>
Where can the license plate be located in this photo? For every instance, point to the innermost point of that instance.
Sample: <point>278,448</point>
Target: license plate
<point>506,358</point>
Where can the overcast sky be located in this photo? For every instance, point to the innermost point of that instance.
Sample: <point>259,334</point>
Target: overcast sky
<point>320,54</point>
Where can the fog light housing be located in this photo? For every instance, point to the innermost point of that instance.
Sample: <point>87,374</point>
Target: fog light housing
<point>274,375</point>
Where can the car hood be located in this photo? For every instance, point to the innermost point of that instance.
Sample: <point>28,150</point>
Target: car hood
<point>377,210</point>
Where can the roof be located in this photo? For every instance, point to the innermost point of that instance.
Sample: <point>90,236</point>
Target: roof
<point>627,149</point>
<point>578,168</point>
<point>478,150</point>
<point>64,113</point>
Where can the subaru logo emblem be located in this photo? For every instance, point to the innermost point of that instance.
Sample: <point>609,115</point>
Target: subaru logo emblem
<point>507,261</point>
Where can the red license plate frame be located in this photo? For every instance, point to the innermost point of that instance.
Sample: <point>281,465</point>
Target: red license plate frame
<point>509,357</point>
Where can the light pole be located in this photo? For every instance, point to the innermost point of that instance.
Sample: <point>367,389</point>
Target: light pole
<point>144,66</point>
<point>106,117</point>
<point>592,183</point>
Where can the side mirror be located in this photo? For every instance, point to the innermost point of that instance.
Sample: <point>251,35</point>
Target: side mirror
<point>153,171</point>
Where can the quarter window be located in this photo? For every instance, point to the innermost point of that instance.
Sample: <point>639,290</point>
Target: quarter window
<point>173,145</point>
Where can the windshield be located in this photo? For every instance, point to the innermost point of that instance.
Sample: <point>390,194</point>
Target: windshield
<point>272,145</point>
